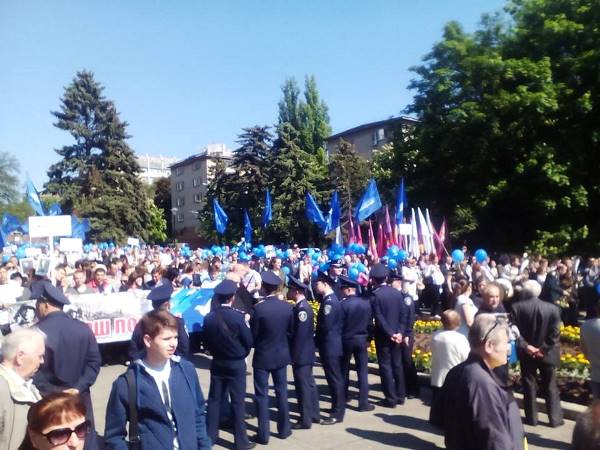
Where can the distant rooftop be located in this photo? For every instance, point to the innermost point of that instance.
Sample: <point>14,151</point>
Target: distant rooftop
<point>157,162</point>
<point>210,151</point>
<point>366,126</point>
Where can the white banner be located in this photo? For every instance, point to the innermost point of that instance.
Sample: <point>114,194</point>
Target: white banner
<point>74,245</point>
<point>44,226</point>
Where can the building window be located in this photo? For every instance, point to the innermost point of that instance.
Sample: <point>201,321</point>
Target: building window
<point>196,182</point>
<point>179,186</point>
<point>179,171</point>
<point>180,201</point>
<point>197,165</point>
<point>179,217</point>
<point>378,136</point>
<point>197,198</point>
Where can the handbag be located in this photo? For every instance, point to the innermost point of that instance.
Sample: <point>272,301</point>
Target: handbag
<point>134,433</point>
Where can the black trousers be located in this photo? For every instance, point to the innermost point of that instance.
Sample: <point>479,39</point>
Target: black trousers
<point>227,379</point>
<point>307,394</point>
<point>391,371</point>
<point>332,365</point>
<point>411,378</point>
<point>357,348</point>
<point>529,370</point>
<point>261,399</point>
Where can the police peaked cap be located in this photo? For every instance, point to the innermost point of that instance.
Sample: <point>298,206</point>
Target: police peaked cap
<point>324,277</point>
<point>379,271</point>
<point>160,294</point>
<point>346,282</point>
<point>46,291</point>
<point>226,288</point>
<point>395,275</point>
<point>270,278</point>
<point>337,263</point>
<point>295,283</point>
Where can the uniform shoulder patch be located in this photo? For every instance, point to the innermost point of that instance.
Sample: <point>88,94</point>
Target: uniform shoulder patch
<point>408,300</point>
<point>327,309</point>
<point>302,316</point>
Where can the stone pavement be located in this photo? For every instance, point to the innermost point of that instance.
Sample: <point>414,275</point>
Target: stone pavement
<point>405,427</point>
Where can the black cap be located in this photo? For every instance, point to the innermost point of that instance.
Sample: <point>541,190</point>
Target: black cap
<point>45,290</point>
<point>337,263</point>
<point>295,283</point>
<point>379,271</point>
<point>346,282</point>
<point>395,275</point>
<point>160,294</point>
<point>324,277</point>
<point>270,278</point>
<point>226,288</point>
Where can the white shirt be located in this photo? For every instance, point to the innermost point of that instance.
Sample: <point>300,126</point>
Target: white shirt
<point>460,301</point>
<point>448,349</point>
<point>160,376</point>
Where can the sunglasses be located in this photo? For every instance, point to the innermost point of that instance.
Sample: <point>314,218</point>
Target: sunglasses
<point>499,321</point>
<point>61,435</point>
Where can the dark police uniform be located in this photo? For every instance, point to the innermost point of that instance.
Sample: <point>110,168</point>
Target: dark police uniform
<point>357,318</point>
<point>391,317</point>
<point>329,342</point>
<point>228,337</point>
<point>159,295</point>
<point>303,359</point>
<point>272,327</point>
<point>72,359</point>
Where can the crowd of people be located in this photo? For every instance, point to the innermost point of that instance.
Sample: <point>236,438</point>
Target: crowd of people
<point>262,307</point>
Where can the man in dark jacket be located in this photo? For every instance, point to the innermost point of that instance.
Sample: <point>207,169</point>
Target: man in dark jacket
<point>272,327</point>
<point>72,359</point>
<point>478,412</point>
<point>302,349</point>
<point>538,350</point>
<point>170,404</point>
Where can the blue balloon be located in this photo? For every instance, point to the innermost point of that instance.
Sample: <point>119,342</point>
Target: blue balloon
<point>457,255</point>
<point>324,267</point>
<point>361,267</point>
<point>393,251</point>
<point>392,264</point>
<point>353,273</point>
<point>402,255</point>
<point>310,251</point>
<point>480,256</point>
<point>286,270</point>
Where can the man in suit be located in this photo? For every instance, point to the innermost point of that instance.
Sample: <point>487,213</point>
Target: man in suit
<point>538,350</point>
<point>303,356</point>
<point>272,327</point>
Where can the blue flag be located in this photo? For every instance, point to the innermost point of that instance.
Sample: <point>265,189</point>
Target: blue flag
<point>54,210</point>
<point>333,220</point>
<point>313,212</point>
<point>34,198</point>
<point>221,218</point>
<point>267,213</point>
<point>401,202</point>
<point>9,224</point>
<point>79,228</point>
<point>247,227</point>
<point>369,202</point>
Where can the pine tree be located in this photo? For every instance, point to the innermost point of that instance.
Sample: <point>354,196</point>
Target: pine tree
<point>314,118</point>
<point>349,174</point>
<point>98,175</point>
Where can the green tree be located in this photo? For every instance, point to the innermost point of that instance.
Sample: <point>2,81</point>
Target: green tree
<point>97,176</point>
<point>9,181</point>
<point>348,173</point>
<point>157,226</point>
<point>162,200</point>
<point>290,104</point>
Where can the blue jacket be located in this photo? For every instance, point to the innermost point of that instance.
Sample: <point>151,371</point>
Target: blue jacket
<point>357,318</point>
<point>272,327</point>
<point>329,327</point>
<point>390,311</point>
<point>302,345</point>
<point>226,334</point>
<point>156,431</point>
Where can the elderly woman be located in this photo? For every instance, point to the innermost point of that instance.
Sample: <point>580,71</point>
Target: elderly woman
<point>56,422</point>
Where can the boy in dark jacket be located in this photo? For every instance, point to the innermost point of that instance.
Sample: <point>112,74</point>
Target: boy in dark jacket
<point>170,404</point>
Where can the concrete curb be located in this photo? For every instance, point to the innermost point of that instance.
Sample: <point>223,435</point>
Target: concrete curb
<point>571,411</point>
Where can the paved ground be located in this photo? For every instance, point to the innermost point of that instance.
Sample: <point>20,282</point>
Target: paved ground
<point>404,427</point>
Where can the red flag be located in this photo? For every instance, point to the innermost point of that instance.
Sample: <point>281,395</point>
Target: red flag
<point>381,245</point>
<point>390,238</point>
<point>372,244</point>
<point>351,235</point>
<point>359,240</point>
<point>441,237</point>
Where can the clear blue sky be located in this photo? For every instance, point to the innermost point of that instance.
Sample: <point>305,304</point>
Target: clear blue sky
<point>188,73</point>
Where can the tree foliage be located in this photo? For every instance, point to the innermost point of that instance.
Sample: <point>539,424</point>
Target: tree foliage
<point>348,173</point>
<point>97,176</point>
<point>9,180</point>
<point>507,144</point>
<point>162,200</point>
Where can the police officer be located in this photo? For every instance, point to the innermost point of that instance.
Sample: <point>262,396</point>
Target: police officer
<point>408,340</point>
<point>335,271</point>
<point>391,317</point>
<point>329,342</point>
<point>357,319</point>
<point>160,296</point>
<point>228,337</point>
<point>72,359</point>
<point>272,327</point>
<point>303,356</point>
